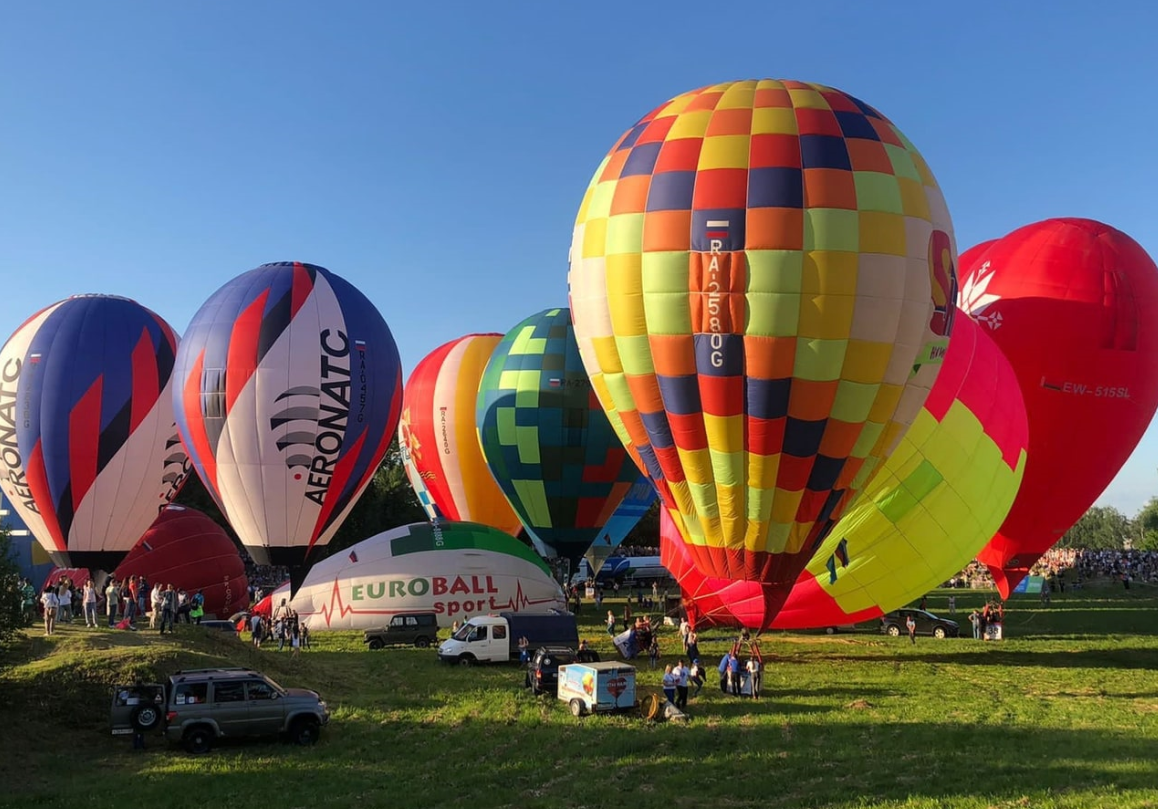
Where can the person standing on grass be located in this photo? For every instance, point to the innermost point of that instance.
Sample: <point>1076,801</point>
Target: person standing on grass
<point>975,619</point>
<point>911,625</point>
<point>168,609</point>
<point>611,623</point>
<point>755,675</point>
<point>112,595</point>
<point>734,674</point>
<point>669,684</point>
<point>50,601</point>
<point>90,601</point>
<point>680,672</point>
<point>696,677</point>
<point>952,605</point>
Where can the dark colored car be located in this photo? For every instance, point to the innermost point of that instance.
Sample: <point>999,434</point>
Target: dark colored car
<point>543,670</point>
<point>407,629</point>
<point>895,623</point>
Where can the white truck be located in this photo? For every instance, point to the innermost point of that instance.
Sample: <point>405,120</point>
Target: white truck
<point>495,638</point>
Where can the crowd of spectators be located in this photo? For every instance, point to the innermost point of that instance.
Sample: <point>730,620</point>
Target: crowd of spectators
<point>1071,567</point>
<point>267,578</point>
<point>1124,566</point>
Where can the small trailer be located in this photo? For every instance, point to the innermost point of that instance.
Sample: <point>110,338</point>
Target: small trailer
<point>607,687</point>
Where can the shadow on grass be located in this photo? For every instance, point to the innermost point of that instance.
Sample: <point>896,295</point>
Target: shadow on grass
<point>770,762</point>
<point>1116,658</point>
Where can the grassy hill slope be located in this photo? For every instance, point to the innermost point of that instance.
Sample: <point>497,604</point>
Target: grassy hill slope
<point>1065,713</point>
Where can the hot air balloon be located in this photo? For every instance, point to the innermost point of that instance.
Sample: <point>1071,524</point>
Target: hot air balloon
<point>762,282</point>
<point>288,392</point>
<point>545,439</point>
<point>438,439</point>
<point>187,549</point>
<point>969,257</point>
<point>938,500</point>
<point>1071,303</point>
<point>636,503</point>
<point>87,453</point>
<point>453,569</point>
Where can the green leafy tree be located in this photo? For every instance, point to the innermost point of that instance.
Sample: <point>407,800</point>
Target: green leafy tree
<point>1146,527</point>
<point>1100,528</point>
<point>645,534</point>
<point>12,618</point>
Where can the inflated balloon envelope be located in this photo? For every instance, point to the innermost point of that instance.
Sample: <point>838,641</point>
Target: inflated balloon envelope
<point>547,441</point>
<point>935,503</point>
<point>88,446</point>
<point>453,569</point>
<point>439,443</point>
<point>187,549</point>
<point>1073,304</point>
<point>762,285</point>
<point>288,391</point>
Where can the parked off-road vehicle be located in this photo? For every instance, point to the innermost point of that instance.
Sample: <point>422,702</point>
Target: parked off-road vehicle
<point>198,706</point>
<point>417,628</point>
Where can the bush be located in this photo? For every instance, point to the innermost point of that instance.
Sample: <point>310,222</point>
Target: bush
<point>12,618</point>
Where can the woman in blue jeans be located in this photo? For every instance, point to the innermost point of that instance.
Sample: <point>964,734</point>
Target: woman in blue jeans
<point>669,684</point>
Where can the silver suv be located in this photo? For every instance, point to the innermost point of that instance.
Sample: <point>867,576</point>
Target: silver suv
<point>198,706</point>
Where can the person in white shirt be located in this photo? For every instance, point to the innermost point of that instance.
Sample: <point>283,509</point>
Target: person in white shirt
<point>112,598</point>
<point>51,603</point>
<point>755,675</point>
<point>680,672</point>
<point>89,599</point>
<point>156,601</point>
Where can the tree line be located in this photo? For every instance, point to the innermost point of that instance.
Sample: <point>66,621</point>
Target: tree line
<point>1107,528</point>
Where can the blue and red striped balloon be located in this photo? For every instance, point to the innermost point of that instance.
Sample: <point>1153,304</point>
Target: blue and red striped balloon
<point>88,446</point>
<point>288,392</point>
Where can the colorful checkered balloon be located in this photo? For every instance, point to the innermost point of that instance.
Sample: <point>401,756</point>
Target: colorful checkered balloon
<point>762,284</point>
<point>546,440</point>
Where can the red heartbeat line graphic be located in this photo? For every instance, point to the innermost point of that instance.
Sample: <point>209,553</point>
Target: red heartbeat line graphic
<point>337,605</point>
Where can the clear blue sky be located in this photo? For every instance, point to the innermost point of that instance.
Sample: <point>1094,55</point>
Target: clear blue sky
<point>435,154</point>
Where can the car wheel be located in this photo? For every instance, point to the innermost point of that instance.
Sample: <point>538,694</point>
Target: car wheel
<point>304,731</point>
<point>146,717</point>
<point>466,660</point>
<point>376,643</point>
<point>576,707</point>
<point>198,740</point>
<point>939,632</point>
<point>894,631</point>
<point>830,630</point>
<point>422,643</point>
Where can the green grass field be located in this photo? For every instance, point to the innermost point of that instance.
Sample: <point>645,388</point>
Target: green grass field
<point>1062,714</point>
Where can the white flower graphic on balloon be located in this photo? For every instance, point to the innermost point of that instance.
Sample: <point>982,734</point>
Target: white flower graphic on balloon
<point>976,298</point>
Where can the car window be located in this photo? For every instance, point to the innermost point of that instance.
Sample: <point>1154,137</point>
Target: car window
<point>396,621</point>
<point>500,632</point>
<point>259,690</point>
<point>411,621</point>
<point>229,692</point>
<point>191,693</point>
